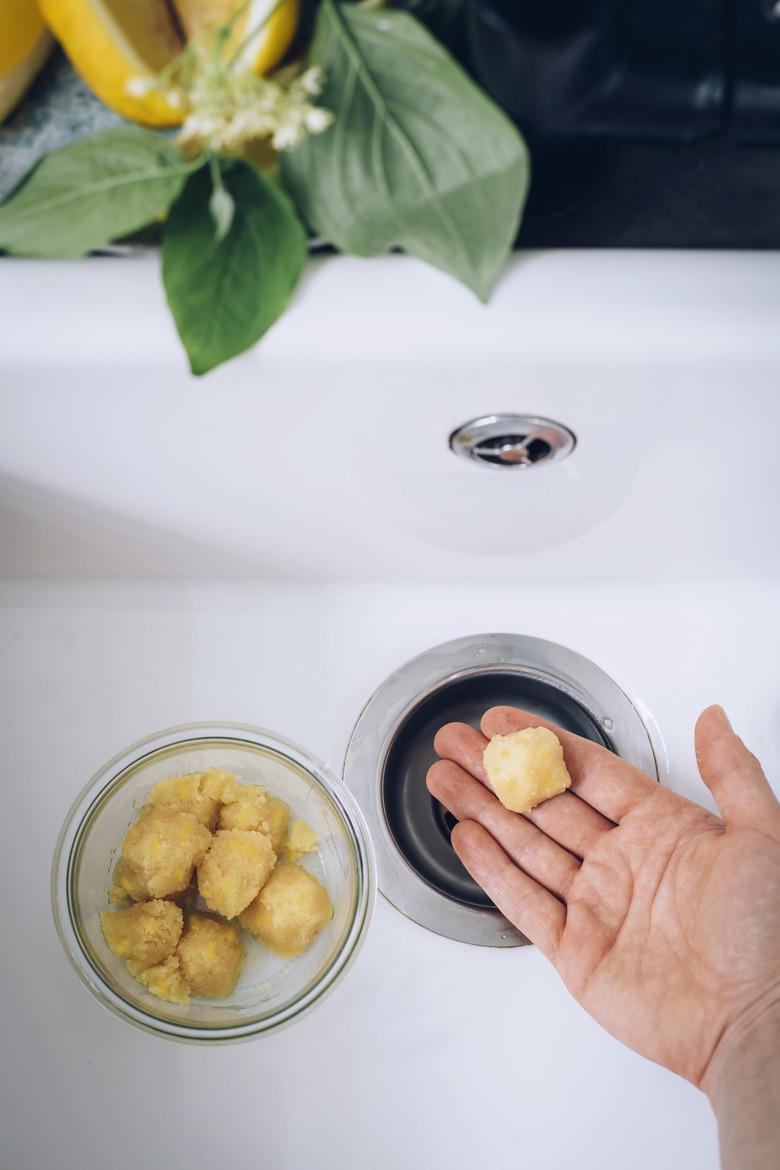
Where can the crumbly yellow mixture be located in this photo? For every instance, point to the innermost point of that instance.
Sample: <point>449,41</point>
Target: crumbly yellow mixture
<point>277,818</point>
<point>145,934</point>
<point>205,835</point>
<point>220,785</point>
<point>167,981</point>
<point>289,912</point>
<point>127,885</point>
<point>245,809</point>
<point>301,839</point>
<point>526,767</point>
<point>235,867</point>
<point>185,794</point>
<point>211,954</point>
<point>163,847</point>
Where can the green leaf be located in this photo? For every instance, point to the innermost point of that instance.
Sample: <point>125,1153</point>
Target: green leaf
<point>92,191</point>
<point>225,293</point>
<point>418,156</point>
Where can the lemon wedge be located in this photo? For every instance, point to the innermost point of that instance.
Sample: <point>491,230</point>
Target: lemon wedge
<point>111,43</point>
<point>24,46</point>
<point>115,44</point>
<point>262,32</point>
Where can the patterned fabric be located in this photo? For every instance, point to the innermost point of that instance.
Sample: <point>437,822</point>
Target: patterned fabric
<point>56,109</point>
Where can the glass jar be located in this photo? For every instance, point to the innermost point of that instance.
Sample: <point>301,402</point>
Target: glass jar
<point>271,991</point>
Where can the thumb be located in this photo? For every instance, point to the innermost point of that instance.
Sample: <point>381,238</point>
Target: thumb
<point>732,773</point>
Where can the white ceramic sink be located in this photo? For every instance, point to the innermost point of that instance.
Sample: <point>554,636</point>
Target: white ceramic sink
<point>265,546</point>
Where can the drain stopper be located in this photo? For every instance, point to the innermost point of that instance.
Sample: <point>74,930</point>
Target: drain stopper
<point>512,441</point>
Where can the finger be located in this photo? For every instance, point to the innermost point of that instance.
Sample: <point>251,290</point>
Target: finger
<point>534,852</point>
<point>464,744</point>
<point>733,774</point>
<point>567,819</point>
<point>598,776</point>
<point>532,909</point>
<point>571,822</point>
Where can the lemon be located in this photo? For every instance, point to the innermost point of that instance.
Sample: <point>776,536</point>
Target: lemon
<point>24,46</point>
<point>115,44</point>
<point>265,28</point>
<point>111,43</point>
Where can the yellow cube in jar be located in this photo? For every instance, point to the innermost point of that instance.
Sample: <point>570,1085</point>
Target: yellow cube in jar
<point>289,912</point>
<point>166,981</point>
<point>276,817</point>
<point>245,809</point>
<point>233,871</point>
<point>163,846</point>
<point>301,839</point>
<point>219,785</point>
<point>185,794</point>
<point>143,935</point>
<point>211,954</point>
<point>128,883</point>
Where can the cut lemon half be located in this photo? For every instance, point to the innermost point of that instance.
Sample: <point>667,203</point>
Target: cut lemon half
<point>116,44</point>
<point>25,44</point>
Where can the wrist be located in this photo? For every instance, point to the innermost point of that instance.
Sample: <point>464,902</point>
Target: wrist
<point>742,1082</point>
<point>748,1048</point>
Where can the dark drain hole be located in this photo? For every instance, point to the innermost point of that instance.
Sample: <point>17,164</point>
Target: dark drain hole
<point>538,449</point>
<point>419,825</point>
<point>498,450</point>
<point>447,819</point>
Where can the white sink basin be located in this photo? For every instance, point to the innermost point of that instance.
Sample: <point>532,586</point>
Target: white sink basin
<point>265,546</point>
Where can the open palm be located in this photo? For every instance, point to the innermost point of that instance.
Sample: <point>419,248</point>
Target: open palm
<point>662,919</point>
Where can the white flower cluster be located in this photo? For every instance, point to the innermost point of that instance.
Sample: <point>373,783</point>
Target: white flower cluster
<point>229,107</point>
<point>228,116</point>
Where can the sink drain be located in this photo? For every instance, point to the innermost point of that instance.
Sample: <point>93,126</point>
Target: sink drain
<point>420,827</point>
<point>391,749</point>
<point>518,441</point>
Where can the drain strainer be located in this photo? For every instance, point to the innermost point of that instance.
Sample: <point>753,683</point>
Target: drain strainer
<point>391,749</point>
<point>519,441</point>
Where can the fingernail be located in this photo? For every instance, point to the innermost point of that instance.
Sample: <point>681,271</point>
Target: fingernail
<point>725,718</point>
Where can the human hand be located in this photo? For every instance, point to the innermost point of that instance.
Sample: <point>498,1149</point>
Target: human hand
<point>662,919</point>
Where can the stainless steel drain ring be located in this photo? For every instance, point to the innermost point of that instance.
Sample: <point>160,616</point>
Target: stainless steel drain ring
<point>511,658</point>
